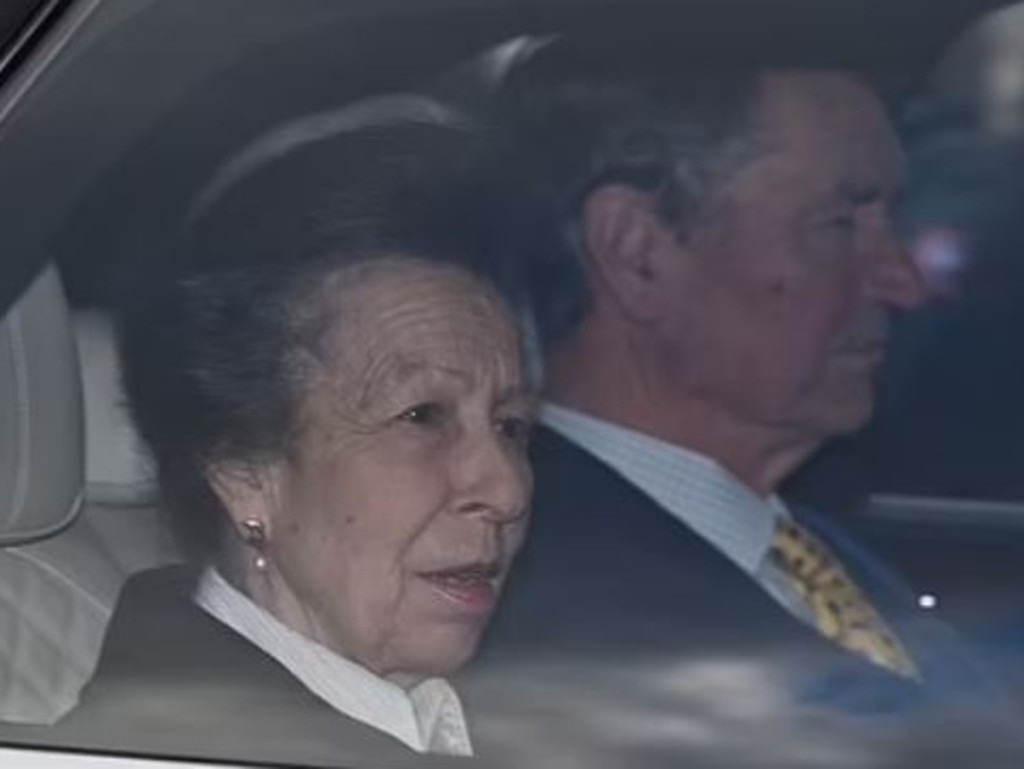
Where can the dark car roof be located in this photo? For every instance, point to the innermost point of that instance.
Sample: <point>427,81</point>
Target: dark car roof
<point>88,138</point>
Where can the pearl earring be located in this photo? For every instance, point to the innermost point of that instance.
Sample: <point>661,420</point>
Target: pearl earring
<point>254,534</point>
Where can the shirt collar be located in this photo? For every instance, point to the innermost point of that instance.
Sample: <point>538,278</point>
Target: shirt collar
<point>427,718</point>
<point>693,488</point>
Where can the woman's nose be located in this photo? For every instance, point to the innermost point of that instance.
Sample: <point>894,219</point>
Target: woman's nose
<point>492,479</point>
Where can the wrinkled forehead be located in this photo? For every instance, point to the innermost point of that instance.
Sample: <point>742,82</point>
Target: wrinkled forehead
<point>414,309</point>
<point>831,118</point>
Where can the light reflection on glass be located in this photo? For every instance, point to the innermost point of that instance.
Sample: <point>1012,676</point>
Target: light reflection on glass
<point>942,255</point>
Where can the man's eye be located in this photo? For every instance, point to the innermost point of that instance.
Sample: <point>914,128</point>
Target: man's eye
<point>845,222</point>
<point>425,414</point>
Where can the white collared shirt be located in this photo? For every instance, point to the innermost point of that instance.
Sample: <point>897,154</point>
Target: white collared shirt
<point>428,718</point>
<point>694,489</point>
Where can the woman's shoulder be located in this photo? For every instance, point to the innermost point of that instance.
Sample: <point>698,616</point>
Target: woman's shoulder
<point>154,624</point>
<point>173,680</point>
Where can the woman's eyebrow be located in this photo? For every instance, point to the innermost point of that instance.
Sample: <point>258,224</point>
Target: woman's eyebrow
<point>398,373</point>
<point>386,376</point>
<point>519,392</point>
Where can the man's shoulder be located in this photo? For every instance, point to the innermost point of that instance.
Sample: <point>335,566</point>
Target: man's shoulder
<point>603,559</point>
<point>577,494</point>
<point>567,470</point>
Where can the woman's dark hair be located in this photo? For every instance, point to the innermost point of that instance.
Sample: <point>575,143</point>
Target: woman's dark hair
<point>210,340</point>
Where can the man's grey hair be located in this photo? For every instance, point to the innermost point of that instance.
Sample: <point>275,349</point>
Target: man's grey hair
<point>587,120</point>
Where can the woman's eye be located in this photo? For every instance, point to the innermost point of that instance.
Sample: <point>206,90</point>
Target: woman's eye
<point>516,429</point>
<point>425,414</point>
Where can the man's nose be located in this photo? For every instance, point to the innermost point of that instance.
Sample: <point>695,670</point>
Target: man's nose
<point>492,480</point>
<point>893,279</point>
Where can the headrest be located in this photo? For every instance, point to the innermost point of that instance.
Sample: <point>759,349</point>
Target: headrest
<point>41,431</point>
<point>117,467</point>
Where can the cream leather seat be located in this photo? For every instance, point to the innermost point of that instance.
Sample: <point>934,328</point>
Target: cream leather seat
<point>120,494</point>
<point>68,538</point>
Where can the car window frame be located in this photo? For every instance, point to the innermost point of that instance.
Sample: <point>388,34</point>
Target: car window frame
<point>31,38</point>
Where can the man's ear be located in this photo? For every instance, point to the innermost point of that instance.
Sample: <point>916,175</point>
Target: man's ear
<point>247,491</point>
<point>630,249</point>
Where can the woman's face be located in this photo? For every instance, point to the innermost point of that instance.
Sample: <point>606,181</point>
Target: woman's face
<point>391,529</point>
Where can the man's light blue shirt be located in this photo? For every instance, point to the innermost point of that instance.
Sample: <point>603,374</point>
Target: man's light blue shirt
<point>692,488</point>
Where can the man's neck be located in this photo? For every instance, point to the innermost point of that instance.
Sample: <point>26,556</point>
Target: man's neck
<point>758,456</point>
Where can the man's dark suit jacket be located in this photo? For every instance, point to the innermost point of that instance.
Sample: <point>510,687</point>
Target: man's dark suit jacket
<point>609,576</point>
<point>174,681</point>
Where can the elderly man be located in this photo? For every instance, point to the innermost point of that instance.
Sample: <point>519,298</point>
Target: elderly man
<point>720,305</point>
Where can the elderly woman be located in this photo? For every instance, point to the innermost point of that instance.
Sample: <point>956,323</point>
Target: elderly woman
<point>335,399</point>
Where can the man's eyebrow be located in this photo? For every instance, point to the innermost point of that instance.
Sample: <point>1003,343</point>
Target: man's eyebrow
<point>860,193</point>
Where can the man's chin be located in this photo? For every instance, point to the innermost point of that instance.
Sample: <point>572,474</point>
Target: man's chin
<point>849,415</point>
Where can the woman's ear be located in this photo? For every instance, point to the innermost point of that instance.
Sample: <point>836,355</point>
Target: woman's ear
<point>249,492</point>
<point>631,250</point>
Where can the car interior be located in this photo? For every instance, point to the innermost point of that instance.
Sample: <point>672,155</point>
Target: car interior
<point>101,154</point>
<point>81,504</point>
<point>78,521</point>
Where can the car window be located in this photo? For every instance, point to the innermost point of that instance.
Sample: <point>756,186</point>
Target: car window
<point>693,535</point>
<point>15,17</point>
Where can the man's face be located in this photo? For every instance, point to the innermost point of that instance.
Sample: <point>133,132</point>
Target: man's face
<point>789,277</point>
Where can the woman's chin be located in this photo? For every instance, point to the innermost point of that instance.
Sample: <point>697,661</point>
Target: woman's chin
<point>442,649</point>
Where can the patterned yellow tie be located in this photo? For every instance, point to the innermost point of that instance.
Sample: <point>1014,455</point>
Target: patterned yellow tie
<point>842,612</point>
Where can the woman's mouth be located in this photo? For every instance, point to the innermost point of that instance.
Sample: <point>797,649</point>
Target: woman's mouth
<point>473,588</point>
